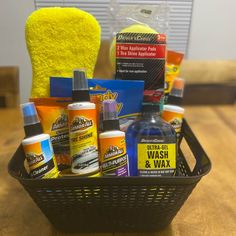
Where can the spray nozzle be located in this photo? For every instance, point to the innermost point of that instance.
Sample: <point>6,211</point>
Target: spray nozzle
<point>80,81</point>
<point>80,91</point>
<point>109,110</point>
<point>29,113</point>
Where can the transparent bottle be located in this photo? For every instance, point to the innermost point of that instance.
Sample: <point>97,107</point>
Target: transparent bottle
<point>151,144</point>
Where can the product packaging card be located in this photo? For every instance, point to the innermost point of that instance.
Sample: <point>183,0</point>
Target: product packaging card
<point>128,95</point>
<point>142,56</point>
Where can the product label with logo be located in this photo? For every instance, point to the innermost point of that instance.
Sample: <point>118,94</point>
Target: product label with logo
<point>83,140</point>
<point>172,71</point>
<point>114,159</point>
<point>54,120</point>
<point>156,156</point>
<point>41,160</point>
<point>60,140</point>
<point>142,56</point>
<point>173,118</point>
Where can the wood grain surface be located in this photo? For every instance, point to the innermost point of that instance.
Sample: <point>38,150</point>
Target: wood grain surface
<point>9,86</point>
<point>210,210</point>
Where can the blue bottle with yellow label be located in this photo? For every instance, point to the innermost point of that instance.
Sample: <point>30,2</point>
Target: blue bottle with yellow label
<point>151,144</point>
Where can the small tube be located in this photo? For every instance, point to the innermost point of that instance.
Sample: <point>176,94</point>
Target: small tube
<point>29,113</point>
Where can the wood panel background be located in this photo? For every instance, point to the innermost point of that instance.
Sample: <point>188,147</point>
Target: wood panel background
<point>9,86</point>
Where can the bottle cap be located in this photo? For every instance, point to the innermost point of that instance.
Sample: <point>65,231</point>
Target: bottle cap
<point>178,87</point>
<point>110,118</point>
<point>80,81</point>
<point>150,107</point>
<point>80,91</point>
<point>109,109</point>
<point>174,58</point>
<point>29,113</point>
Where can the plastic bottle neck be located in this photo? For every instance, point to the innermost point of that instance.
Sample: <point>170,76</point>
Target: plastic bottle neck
<point>109,125</point>
<point>80,96</point>
<point>33,129</point>
<point>150,114</point>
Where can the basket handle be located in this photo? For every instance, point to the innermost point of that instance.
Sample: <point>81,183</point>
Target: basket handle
<point>16,166</point>
<point>203,163</point>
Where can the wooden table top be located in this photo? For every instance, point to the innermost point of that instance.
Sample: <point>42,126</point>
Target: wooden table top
<point>210,209</point>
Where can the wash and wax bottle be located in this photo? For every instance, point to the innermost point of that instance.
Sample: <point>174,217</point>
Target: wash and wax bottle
<point>37,146</point>
<point>151,144</point>
<point>113,157</point>
<point>82,128</point>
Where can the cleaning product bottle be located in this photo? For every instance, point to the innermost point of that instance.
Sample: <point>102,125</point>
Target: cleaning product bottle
<point>37,145</point>
<point>177,92</point>
<point>151,144</point>
<point>114,160</point>
<point>173,112</point>
<point>174,116</point>
<point>82,128</point>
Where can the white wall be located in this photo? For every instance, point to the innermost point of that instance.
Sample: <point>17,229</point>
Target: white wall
<point>213,34</point>
<point>13,14</point>
<point>213,30</point>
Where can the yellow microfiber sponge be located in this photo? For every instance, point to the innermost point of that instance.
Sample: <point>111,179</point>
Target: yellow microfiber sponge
<point>60,40</point>
<point>136,28</point>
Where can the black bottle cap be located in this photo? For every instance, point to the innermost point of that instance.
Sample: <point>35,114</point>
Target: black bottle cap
<point>150,107</point>
<point>80,91</point>
<point>173,100</point>
<point>80,96</point>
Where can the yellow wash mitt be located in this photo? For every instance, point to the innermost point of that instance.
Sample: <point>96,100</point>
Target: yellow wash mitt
<point>60,40</point>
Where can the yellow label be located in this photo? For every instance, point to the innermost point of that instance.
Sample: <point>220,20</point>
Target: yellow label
<point>172,71</point>
<point>95,175</point>
<point>41,160</point>
<point>112,147</point>
<point>83,139</point>
<point>173,118</point>
<point>54,120</point>
<point>156,156</point>
<point>169,83</point>
<point>113,156</point>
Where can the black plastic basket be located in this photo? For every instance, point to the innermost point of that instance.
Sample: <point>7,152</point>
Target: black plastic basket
<point>100,204</point>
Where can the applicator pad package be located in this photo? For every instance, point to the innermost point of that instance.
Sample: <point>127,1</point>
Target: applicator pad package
<point>138,49</point>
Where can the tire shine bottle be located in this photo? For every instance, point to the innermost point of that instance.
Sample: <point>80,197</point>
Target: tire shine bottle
<point>82,128</point>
